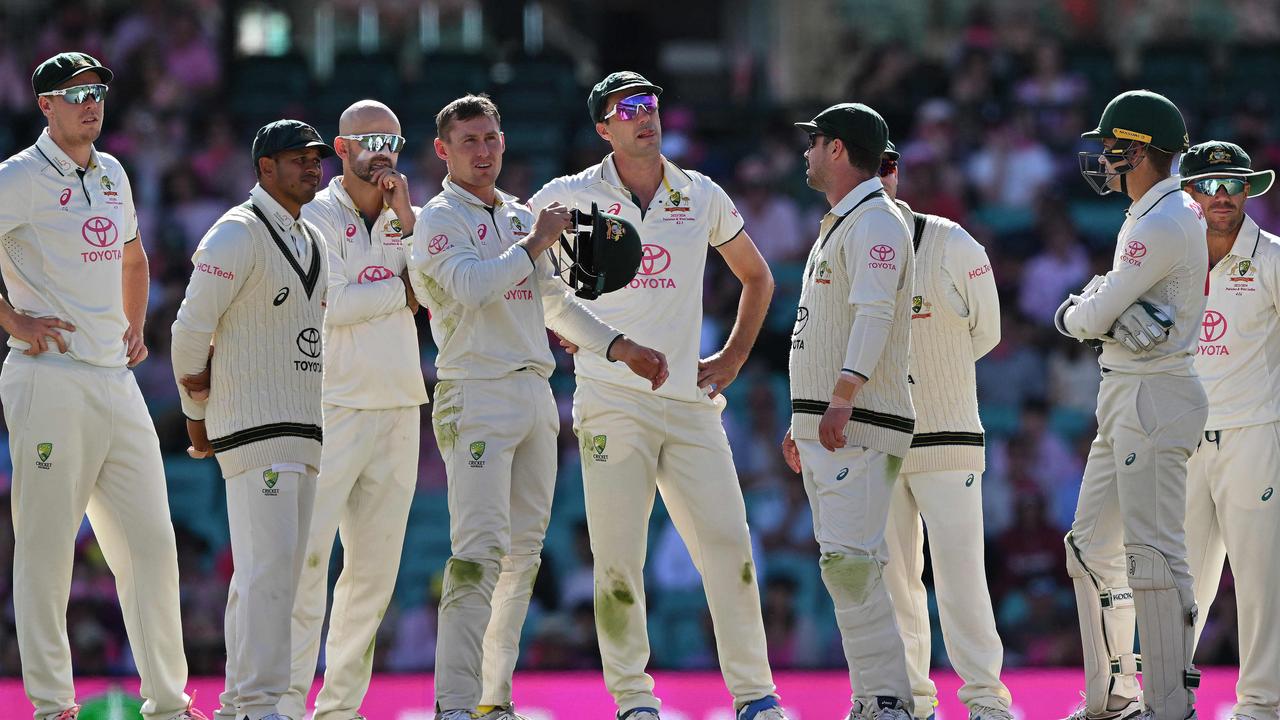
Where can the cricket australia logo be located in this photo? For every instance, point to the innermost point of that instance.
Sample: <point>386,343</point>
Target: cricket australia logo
<point>477,452</point>
<point>44,451</point>
<point>517,227</point>
<point>1219,155</point>
<point>598,445</point>
<point>270,478</point>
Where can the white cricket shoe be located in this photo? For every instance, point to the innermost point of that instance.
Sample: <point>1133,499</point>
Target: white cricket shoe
<point>982,712</point>
<point>639,714</point>
<point>1132,711</point>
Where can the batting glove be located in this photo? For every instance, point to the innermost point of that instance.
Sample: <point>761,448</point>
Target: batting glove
<point>1142,326</point>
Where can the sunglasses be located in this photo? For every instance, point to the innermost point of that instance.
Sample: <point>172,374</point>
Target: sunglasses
<point>1210,186</point>
<point>628,108</point>
<point>888,167</point>
<point>79,93</point>
<point>378,142</point>
<point>813,139</point>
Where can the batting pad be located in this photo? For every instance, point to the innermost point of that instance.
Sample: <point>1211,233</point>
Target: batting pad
<point>1166,628</point>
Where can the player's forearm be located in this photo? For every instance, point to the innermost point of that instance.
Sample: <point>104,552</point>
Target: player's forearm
<point>348,304</point>
<point>753,306</point>
<point>136,284</point>
<point>475,283</point>
<point>575,323</point>
<point>867,339</point>
<point>189,353</point>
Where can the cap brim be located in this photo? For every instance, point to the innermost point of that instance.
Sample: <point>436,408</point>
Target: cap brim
<point>326,151</point>
<point>103,73</point>
<point>808,126</point>
<point>1260,181</point>
<point>1094,134</point>
<point>891,151</point>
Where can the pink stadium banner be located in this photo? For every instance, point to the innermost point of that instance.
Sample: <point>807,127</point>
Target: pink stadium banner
<point>1038,695</point>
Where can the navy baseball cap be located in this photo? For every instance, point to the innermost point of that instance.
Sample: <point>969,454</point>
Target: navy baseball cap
<point>281,135</point>
<point>62,67</point>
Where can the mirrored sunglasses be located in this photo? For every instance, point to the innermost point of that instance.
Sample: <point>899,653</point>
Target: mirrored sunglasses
<point>379,142</point>
<point>78,94</point>
<point>629,107</point>
<point>1210,186</point>
<point>813,139</point>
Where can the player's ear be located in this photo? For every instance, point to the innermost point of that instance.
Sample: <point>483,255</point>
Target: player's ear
<point>340,147</point>
<point>266,167</point>
<point>602,129</point>
<point>442,151</point>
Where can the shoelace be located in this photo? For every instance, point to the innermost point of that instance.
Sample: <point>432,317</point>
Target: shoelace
<point>68,714</point>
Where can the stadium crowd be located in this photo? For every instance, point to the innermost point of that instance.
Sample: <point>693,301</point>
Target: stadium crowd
<point>987,118</point>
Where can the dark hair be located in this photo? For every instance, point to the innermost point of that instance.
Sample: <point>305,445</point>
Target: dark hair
<point>863,159</point>
<point>466,108</point>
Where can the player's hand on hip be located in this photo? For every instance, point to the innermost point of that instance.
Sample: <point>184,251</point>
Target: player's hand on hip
<point>395,194</point>
<point>134,346</point>
<point>791,453</point>
<point>718,371</point>
<point>197,384</point>
<point>550,223</point>
<point>41,333</point>
<point>831,429</point>
<point>200,446</point>
<point>643,361</point>
<point>568,346</point>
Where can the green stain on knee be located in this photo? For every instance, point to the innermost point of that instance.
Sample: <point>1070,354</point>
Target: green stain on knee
<point>465,572</point>
<point>313,560</point>
<point>748,573</point>
<point>612,605</point>
<point>850,573</point>
<point>895,466</point>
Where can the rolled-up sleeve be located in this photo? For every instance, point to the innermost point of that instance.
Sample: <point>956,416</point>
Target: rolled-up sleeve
<point>875,250</point>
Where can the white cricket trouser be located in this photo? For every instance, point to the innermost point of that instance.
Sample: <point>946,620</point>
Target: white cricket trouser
<point>634,443</point>
<point>269,513</point>
<point>498,441</point>
<point>81,440</point>
<point>1233,512</point>
<point>368,470</point>
<point>849,493</point>
<point>951,505</point>
<point>1133,496</point>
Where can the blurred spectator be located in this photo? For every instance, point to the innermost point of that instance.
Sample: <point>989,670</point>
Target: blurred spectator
<point>1012,167</point>
<point>771,219</point>
<point>1058,270</point>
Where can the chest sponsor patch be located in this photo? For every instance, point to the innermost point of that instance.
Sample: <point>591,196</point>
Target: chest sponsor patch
<point>655,261</point>
<point>1212,330</point>
<point>101,233</point>
<point>374,273</point>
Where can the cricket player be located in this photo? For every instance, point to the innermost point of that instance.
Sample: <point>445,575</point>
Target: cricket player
<point>477,263</point>
<point>259,286</point>
<point>634,440</point>
<point>80,436</point>
<point>852,416</point>
<point>955,319</point>
<point>1235,471</point>
<point>1126,545</point>
<point>373,388</point>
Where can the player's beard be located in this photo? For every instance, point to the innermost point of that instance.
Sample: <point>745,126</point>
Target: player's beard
<point>1228,227</point>
<point>365,170</point>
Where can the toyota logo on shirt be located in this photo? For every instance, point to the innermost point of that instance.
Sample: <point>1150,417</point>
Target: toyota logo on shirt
<point>374,273</point>
<point>1213,327</point>
<point>882,253</point>
<point>438,244</point>
<point>654,260</point>
<point>1134,252</point>
<point>309,342</point>
<point>99,231</point>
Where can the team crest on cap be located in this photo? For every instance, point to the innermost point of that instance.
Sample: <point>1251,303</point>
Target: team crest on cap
<point>1220,155</point>
<point>613,230</point>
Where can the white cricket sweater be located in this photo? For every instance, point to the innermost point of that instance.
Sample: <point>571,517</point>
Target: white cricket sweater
<point>955,319</point>
<point>490,304</point>
<point>371,359</point>
<point>860,267</point>
<point>263,312</point>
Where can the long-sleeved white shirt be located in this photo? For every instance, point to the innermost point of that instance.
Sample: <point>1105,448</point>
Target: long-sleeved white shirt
<point>489,302</point>
<point>1160,257</point>
<point>970,288</point>
<point>371,359</point>
<point>1239,355</point>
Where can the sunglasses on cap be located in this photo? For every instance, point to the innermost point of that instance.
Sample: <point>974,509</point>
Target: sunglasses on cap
<point>79,93</point>
<point>378,142</point>
<point>628,108</point>
<point>1210,186</point>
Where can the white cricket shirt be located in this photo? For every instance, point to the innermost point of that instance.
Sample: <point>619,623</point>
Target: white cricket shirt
<point>662,307</point>
<point>370,342</point>
<point>63,230</point>
<point>1161,256</point>
<point>490,304</point>
<point>1239,355</point>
